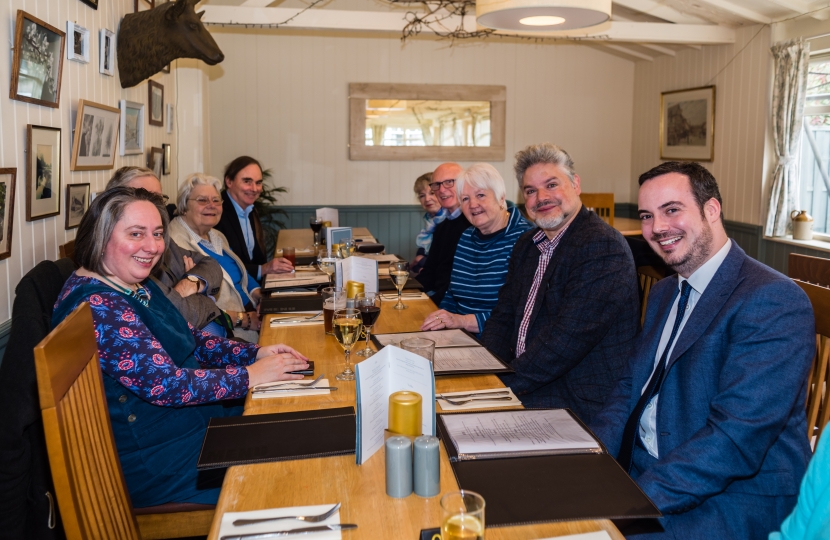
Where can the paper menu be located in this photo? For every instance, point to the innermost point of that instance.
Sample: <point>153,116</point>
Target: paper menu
<point>357,269</point>
<point>465,359</point>
<point>390,370</point>
<point>442,338</point>
<point>329,214</point>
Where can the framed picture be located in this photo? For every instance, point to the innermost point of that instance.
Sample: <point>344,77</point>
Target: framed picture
<point>8,178</point>
<point>155,161</point>
<point>38,61</point>
<point>91,3</point>
<point>687,124</point>
<point>77,203</point>
<point>166,69</point>
<point>155,100</point>
<point>43,172</point>
<point>106,52</point>
<point>132,128</point>
<point>169,118</point>
<point>143,5</point>
<point>167,156</point>
<point>78,49</point>
<point>96,137</point>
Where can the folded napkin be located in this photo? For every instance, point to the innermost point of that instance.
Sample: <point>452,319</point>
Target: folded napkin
<point>227,528</point>
<point>292,393</point>
<point>393,297</point>
<point>596,535</point>
<point>479,404</point>
<point>298,318</point>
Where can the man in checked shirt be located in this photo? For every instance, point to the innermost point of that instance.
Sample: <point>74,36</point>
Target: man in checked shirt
<point>569,311</point>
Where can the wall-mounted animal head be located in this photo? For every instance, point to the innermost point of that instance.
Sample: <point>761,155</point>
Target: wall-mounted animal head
<point>149,40</point>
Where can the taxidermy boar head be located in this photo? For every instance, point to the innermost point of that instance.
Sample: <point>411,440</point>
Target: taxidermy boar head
<point>149,40</point>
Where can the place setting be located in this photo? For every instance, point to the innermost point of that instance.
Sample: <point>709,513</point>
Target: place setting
<point>317,387</point>
<point>321,521</point>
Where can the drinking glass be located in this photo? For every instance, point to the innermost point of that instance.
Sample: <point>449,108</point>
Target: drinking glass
<point>347,248</point>
<point>316,226</point>
<point>420,346</point>
<point>347,325</point>
<point>463,516</point>
<point>290,254</point>
<point>369,306</point>
<point>326,263</point>
<point>399,272</point>
<point>333,299</point>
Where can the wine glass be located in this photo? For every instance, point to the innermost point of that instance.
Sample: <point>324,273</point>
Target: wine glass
<point>399,272</point>
<point>369,306</point>
<point>316,226</point>
<point>347,248</point>
<point>347,325</point>
<point>326,263</point>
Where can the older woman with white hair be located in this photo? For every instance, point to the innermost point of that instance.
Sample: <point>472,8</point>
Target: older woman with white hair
<point>481,259</point>
<point>199,204</point>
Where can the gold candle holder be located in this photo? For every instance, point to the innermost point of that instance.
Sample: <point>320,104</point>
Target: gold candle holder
<point>405,413</point>
<point>352,288</point>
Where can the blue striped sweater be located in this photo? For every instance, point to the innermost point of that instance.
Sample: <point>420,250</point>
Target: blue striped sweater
<point>480,268</point>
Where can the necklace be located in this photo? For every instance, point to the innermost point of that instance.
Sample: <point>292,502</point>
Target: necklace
<point>139,294</point>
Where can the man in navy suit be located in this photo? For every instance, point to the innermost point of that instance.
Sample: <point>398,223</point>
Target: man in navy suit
<point>709,418</point>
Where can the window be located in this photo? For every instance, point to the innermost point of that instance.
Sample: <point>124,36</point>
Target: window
<point>814,187</point>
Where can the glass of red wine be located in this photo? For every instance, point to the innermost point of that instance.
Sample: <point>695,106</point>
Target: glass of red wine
<point>368,304</point>
<point>316,226</point>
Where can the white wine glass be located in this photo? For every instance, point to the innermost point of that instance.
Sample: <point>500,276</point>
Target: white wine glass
<point>326,263</point>
<point>368,303</point>
<point>347,325</point>
<point>399,272</point>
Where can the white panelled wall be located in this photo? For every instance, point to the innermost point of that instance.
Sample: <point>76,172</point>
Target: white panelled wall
<point>283,99</point>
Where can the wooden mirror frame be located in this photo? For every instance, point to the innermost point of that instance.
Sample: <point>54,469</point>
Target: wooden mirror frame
<point>360,92</point>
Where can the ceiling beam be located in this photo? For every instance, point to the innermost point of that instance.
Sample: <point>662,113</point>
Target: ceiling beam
<point>661,11</point>
<point>629,52</point>
<point>637,32</point>
<point>695,47</point>
<point>803,8</point>
<point>740,11</point>
<point>256,3</point>
<point>658,48</point>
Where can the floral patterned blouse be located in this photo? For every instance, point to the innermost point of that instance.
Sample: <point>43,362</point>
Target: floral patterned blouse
<point>130,354</point>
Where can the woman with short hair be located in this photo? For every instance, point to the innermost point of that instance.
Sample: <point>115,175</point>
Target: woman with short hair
<point>434,215</point>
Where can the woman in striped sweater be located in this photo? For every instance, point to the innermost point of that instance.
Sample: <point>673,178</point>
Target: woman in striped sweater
<point>480,265</point>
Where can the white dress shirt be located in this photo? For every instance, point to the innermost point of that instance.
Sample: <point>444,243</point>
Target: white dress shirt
<point>698,281</point>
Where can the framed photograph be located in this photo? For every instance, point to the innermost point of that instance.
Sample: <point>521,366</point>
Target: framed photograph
<point>106,52</point>
<point>155,101</point>
<point>166,69</point>
<point>687,124</point>
<point>38,61</point>
<point>132,128</point>
<point>77,203</point>
<point>143,5</point>
<point>96,137</point>
<point>167,156</point>
<point>155,161</point>
<point>91,3</point>
<point>78,49</point>
<point>43,172</point>
<point>169,118</point>
<point>8,178</point>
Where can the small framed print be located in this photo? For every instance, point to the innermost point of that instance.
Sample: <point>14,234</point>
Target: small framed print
<point>38,61</point>
<point>78,49</point>
<point>167,156</point>
<point>132,128</point>
<point>687,124</point>
<point>155,102</point>
<point>8,179</point>
<point>96,137</point>
<point>91,3</point>
<point>166,69</point>
<point>143,5</point>
<point>106,52</point>
<point>77,203</point>
<point>155,161</point>
<point>43,172</point>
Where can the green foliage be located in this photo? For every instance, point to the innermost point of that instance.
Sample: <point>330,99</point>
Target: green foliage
<point>269,214</point>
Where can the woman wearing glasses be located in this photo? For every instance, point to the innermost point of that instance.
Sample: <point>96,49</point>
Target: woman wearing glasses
<point>200,208</point>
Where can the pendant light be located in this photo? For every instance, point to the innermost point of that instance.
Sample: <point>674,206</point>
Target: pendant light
<point>542,15</point>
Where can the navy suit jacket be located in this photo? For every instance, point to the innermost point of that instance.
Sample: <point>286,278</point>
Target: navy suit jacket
<point>229,226</point>
<point>731,424</point>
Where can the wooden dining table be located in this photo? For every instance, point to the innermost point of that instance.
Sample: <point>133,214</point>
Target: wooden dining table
<point>360,488</point>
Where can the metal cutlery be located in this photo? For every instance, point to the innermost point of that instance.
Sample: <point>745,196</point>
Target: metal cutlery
<point>465,401</point>
<point>303,384</point>
<point>292,532</point>
<point>310,519</point>
<point>294,317</point>
<point>293,389</point>
<point>457,396</point>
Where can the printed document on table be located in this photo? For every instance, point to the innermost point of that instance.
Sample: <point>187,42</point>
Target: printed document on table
<point>550,430</point>
<point>357,269</point>
<point>442,338</point>
<point>464,359</point>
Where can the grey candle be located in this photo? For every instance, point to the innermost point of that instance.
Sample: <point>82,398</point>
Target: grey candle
<point>398,467</point>
<point>427,473</point>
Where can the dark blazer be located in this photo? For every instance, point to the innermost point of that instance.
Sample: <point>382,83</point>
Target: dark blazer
<point>732,427</point>
<point>584,320</point>
<point>229,226</point>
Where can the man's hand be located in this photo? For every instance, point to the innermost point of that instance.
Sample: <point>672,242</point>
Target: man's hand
<point>186,287</point>
<point>280,265</point>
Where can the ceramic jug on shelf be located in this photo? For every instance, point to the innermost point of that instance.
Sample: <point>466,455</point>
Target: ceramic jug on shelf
<point>802,225</point>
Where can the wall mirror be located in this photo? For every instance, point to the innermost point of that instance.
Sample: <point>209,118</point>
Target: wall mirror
<point>426,122</point>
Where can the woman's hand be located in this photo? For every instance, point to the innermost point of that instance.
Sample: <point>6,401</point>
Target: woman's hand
<point>443,319</point>
<point>188,263</point>
<point>274,364</point>
<point>253,320</point>
<point>279,348</point>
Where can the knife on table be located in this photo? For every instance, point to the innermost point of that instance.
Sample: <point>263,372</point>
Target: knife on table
<point>442,396</point>
<point>294,389</point>
<point>292,532</point>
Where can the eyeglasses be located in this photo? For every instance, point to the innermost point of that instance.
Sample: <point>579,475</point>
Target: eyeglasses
<point>203,201</point>
<point>435,186</point>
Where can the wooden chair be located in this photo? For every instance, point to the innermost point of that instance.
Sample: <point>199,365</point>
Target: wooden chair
<point>648,276</point>
<point>67,250</point>
<point>814,270</point>
<point>92,494</point>
<point>602,203</point>
<point>818,401</point>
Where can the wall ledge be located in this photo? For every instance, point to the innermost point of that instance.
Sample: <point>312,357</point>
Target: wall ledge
<point>820,245</point>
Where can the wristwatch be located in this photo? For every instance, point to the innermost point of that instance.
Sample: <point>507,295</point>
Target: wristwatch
<point>195,280</point>
<point>238,323</point>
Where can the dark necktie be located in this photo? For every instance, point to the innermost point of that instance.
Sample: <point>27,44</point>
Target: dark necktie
<point>632,427</point>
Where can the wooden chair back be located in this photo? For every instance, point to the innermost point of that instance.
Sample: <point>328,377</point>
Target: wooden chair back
<point>809,269</point>
<point>818,401</point>
<point>67,250</point>
<point>91,491</point>
<point>602,204</point>
<point>648,276</point>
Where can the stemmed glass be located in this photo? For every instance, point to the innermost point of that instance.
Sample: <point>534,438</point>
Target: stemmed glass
<point>347,248</point>
<point>326,263</point>
<point>316,226</point>
<point>347,325</point>
<point>399,272</point>
<point>368,303</point>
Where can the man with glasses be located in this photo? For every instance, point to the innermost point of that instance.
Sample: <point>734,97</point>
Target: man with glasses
<point>435,277</point>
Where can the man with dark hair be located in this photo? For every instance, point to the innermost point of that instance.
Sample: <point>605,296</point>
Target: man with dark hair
<point>568,313</point>
<point>709,418</point>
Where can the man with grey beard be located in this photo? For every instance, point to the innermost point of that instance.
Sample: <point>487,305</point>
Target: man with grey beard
<point>569,311</point>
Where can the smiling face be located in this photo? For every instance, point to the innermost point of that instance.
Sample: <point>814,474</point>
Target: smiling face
<point>482,209</point>
<point>676,228</point>
<point>246,186</point>
<point>204,208</point>
<point>551,199</point>
<point>429,201</point>
<point>136,244</point>
<point>446,194</point>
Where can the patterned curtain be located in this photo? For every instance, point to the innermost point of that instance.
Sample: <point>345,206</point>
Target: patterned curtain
<point>789,93</point>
